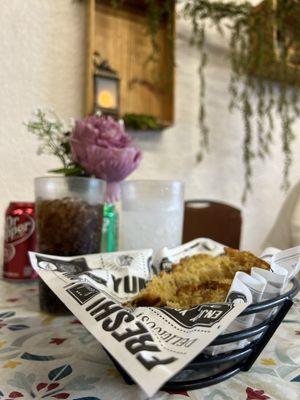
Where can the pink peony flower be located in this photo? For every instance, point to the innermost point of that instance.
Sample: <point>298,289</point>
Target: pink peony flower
<point>102,147</point>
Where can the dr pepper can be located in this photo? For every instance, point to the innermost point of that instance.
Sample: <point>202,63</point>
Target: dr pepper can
<point>19,238</point>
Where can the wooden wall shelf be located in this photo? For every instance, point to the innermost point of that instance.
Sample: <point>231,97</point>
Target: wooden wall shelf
<point>119,35</point>
<point>270,64</point>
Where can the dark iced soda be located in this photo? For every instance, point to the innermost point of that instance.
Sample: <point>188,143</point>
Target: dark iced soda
<point>66,227</point>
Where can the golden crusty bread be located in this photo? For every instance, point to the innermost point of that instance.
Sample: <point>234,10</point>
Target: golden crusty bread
<point>198,279</point>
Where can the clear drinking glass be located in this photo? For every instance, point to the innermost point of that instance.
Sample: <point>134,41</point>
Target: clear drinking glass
<point>152,214</point>
<point>69,222</point>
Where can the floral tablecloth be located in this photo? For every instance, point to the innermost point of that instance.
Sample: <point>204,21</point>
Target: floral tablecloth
<point>47,357</point>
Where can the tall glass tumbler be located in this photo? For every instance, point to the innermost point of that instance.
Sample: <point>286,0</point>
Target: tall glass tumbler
<point>69,222</point>
<point>152,214</point>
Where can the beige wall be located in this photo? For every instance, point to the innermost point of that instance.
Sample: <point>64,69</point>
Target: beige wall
<point>42,64</point>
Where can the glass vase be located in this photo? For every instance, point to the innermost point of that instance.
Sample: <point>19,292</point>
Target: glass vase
<point>69,223</point>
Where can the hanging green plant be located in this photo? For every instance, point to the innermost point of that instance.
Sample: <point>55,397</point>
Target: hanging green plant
<point>265,68</point>
<point>256,63</point>
<point>142,122</point>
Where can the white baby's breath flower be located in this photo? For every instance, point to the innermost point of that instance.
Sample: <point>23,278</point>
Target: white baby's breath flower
<point>51,132</point>
<point>60,136</point>
<point>37,112</point>
<point>51,120</point>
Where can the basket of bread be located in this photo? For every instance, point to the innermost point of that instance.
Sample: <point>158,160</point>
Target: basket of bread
<point>185,318</point>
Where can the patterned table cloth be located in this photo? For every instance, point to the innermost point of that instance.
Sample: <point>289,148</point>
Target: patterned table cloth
<point>48,357</point>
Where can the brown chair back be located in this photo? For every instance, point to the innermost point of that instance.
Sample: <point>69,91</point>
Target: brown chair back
<point>217,221</point>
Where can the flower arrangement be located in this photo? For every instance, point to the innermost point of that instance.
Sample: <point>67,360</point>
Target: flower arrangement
<point>92,146</point>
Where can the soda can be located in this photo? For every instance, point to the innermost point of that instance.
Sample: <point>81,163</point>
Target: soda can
<point>19,238</point>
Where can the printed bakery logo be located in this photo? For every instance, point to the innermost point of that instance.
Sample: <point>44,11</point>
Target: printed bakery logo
<point>82,292</point>
<point>120,325</point>
<point>123,327</point>
<point>236,297</point>
<point>72,268</point>
<point>124,260</point>
<point>118,263</point>
<point>205,315</point>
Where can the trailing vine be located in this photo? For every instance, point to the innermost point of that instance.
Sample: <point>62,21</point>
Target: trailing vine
<point>251,86</point>
<point>265,69</point>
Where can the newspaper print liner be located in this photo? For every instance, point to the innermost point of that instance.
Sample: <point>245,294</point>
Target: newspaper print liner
<point>154,344</point>
<point>260,286</point>
<point>151,344</point>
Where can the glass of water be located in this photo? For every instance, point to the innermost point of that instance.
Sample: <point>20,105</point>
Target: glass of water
<point>152,214</point>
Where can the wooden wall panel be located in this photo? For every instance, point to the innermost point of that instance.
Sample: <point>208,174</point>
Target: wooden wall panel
<point>120,37</point>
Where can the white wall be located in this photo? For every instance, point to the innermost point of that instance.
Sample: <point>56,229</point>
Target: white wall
<point>42,64</point>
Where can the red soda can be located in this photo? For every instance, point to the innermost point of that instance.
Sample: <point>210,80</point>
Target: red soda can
<point>19,238</point>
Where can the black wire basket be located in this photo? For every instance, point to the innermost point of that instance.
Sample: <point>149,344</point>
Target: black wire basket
<point>206,370</point>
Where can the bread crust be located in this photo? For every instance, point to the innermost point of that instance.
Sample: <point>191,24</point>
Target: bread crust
<point>201,278</point>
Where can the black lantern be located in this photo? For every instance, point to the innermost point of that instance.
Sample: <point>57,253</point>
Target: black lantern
<point>106,88</point>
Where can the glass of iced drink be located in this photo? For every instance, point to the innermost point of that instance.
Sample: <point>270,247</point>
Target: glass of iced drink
<point>152,214</point>
<point>69,223</point>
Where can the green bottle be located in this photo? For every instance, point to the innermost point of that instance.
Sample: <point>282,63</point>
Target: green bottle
<point>110,227</point>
